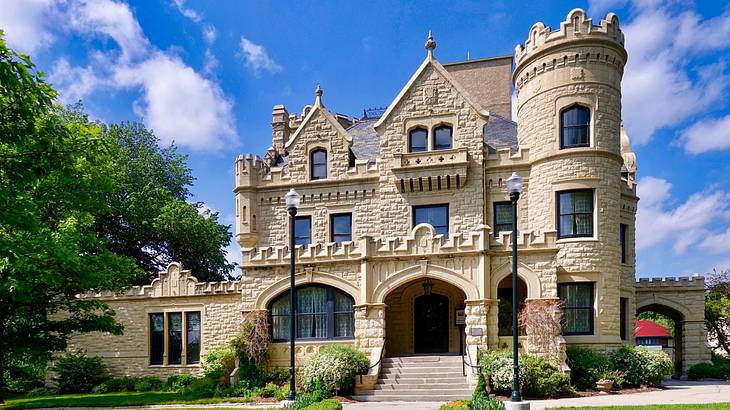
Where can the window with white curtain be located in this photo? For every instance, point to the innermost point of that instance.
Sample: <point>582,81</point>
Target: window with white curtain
<point>323,312</point>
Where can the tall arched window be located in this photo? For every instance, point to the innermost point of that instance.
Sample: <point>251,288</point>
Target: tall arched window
<point>442,137</point>
<point>418,140</point>
<point>323,312</point>
<point>575,127</point>
<point>318,161</point>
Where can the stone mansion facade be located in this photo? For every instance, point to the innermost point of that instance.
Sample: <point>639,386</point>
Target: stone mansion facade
<point>404,228</point>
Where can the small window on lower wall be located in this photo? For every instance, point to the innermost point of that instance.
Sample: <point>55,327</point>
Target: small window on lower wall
<point>578,308</point>
<point>174,338</point>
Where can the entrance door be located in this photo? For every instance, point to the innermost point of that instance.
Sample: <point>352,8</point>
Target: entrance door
<point>431,323</point>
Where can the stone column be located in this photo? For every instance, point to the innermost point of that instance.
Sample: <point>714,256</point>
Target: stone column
<point>370,338</point>
<point>694,344</point>
<point>493,324</point>
<point>477,333</point>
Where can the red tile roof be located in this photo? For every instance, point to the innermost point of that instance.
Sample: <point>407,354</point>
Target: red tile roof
<point>647,328</point>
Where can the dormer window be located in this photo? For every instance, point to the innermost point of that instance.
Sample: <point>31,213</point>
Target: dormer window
<point>418,140</point>
<point>318,161</point>
<point>575,127</point>
<point>442,137</point>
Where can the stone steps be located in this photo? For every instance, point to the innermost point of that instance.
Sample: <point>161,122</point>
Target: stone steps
<point>419,378</point>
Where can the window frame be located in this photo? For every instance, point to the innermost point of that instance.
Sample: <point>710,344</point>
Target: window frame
<point>431,206</point>
<point>330,314</point>
<point>494,215</point>
<point>623,230</point>
<point>590,307</point>
<point>587,126</point>
<point>332,226</point>
<point>623,317</point>
<point>314,165</point>
<point>410,139</point>
<point>451,137</point>
<point>296,231</point>
<point>167,341</point>
<point>558,214</point>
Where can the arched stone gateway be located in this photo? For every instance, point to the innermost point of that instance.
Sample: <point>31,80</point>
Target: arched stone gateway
<point>683,300</point>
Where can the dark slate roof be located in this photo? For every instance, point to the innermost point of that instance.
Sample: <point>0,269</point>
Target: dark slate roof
<point>365,142</point>
<point>500,132</point>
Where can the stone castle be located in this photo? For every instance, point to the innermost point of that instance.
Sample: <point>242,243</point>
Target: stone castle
<point>403,234</point>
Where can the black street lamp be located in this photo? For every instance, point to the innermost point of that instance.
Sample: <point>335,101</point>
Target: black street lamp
<point>292,203</point>
<point>514,187</point>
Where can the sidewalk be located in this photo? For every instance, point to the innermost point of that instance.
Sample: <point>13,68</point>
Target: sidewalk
<point>676,392</point>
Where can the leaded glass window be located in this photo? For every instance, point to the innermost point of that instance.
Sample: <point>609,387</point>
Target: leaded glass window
<point>174,338</point>
<point>578,308</point>
<point>157,338</point>
<point>192,341</point>
<point>323,312</point>
<point>575,213</point>
<point>502,217</point>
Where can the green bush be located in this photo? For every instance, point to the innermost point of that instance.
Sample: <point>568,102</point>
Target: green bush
<point>641,366</point>
<point>329,404</point>
<point>218,364</point>
<point>78,373</point>
<point>200,388</point>
<point>456,405</point>
<point>336,366</point>
<point>24,372</point>
<point>703,371</point>
<point>177,382</point>
<point>116,384</point>
<point>481,390</point>
<point>538,378</point>
<point>147,383</point>
<point>486,403</point>
<point>42,391</point>
<point>270,390</point>
<point>586,367</point>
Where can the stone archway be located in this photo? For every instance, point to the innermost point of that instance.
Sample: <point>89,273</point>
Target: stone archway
<point>683,300</point>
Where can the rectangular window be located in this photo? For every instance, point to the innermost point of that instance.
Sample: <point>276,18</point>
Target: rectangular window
<point>341,227</point>
<point>575,213</point>
<point>622,238</point>
<point>302,230</point>
<point>192,340</point>
<point>578,309</point>
<point>157,338</point>
<point>502,217</point>
<point>622,315</point>
<point>434,215</point>
<point>174,338</point>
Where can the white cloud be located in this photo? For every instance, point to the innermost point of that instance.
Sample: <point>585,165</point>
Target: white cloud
<point>707,135</point>
<point>74,83</point>
<point>179,104</point>
<point>683,225</point>
<point>27,24</point>
<point>257,58</point>
<point>210,34</point>
<point>187,12</point>
<point>659,88</point>
<point>717,243</point>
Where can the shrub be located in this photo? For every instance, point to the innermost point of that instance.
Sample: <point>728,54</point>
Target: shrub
<point>641,365</point>
<point>277,376</point>
<point>329,404</point>
<point>497,367</point>
<point>218,364</point>
<point>481,389</point>
<point>116,384</point>
<point>540,378</point>
<point>42,391</point>
<point>78,373</point>
<point>486,403</point>
<point>456,405</point>
<point>336,366</point>
<point>147,383</point>
<point>200,388</point>
<point>270,390</point>
<point>253,342</point>
<point>320,391</point>
<point>586,367</point>
<point>178,382</point>
<point>703,371</point>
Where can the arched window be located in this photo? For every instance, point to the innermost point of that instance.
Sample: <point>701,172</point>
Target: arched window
<point>418,140</point>
<point>575,127</point>
<point>442,137</point>
<point>323,312</point>
<point>318,162</point>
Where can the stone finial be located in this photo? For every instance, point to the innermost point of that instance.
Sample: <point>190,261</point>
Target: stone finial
<point>430,44</point>
<point>318,93</point>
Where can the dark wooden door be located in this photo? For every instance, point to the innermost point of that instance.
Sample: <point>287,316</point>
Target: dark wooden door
<point>431,326</point>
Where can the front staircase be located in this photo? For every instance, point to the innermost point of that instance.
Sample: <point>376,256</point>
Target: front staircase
<point>419,378</point>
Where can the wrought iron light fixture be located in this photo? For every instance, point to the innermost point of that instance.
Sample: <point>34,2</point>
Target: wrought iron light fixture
<point>427,286</point>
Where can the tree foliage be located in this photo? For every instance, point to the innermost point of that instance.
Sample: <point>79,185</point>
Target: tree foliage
<point>658,318</point>
<point>53,181</point>
<point>717,310</point>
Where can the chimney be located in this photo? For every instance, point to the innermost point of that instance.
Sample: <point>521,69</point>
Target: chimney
<point>279,127</point>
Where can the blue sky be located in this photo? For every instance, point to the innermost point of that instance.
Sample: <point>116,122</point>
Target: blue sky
<point>206,75</point>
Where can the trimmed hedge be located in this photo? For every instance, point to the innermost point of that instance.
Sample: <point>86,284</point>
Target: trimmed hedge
<point>538,377</point>
<point>586,367</point>
<point>78,373</point>
<point>641,366</point>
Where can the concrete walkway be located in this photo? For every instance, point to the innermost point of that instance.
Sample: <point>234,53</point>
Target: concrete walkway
<point>676,392</point>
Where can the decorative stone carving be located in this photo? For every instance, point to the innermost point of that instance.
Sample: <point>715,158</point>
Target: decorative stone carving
<point>430,95</point>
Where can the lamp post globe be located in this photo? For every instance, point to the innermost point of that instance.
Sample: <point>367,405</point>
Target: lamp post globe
<point>292,199</point>
<point>514,184</point>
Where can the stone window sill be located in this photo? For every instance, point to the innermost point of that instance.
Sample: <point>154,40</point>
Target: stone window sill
<point>582,239</point>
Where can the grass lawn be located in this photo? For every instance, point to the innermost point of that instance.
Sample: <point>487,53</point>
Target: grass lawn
<point>111,400</point>
<point>713,406</point>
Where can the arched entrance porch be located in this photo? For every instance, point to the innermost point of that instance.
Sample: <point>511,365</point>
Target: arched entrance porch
<point>421,318</point>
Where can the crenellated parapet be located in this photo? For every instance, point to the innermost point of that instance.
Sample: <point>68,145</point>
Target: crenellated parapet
<point>671,283</point>
<point>526,241</point>
<point>172,282</point>
<point>507,158</point>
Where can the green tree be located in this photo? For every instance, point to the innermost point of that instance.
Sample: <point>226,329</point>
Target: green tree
<point>54,178</point>
<point>149,217</point>
<point>717,309</point>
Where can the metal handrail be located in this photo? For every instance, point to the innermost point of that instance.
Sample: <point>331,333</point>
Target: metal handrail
<point>464,363</point>
<point>380,359</point>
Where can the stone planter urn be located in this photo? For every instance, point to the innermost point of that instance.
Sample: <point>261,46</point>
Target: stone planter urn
<point>604,385</point>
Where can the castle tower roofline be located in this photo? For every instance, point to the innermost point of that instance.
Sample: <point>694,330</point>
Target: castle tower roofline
<point>576,28</point>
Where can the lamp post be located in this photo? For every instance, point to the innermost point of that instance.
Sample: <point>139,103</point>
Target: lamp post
<point>514,187</point>
<point>292,203</point>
